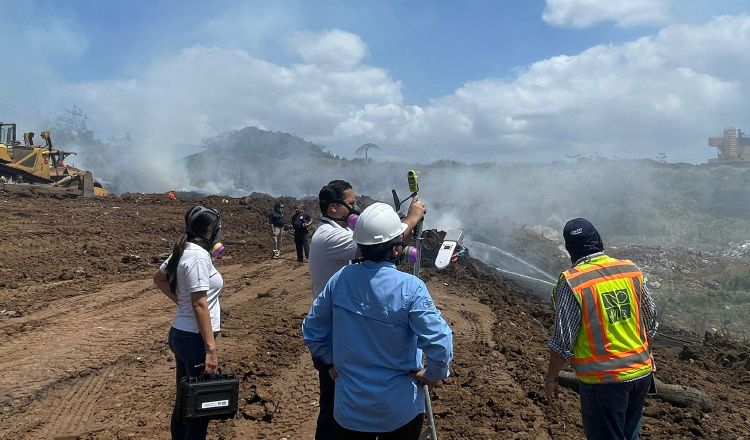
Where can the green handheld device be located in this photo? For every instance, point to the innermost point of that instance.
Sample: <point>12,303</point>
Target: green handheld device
<point>413,183</point>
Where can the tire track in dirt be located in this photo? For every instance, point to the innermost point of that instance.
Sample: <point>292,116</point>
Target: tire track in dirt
<point>280,386</point>
<point>75,334</point>
<point>263,304</point>
<point>82,337</point>
<point>295,398</point>
<point>97,301</point>
<point>116,401</point>
<point>76,348</point>
<point>254,300</point>
<point>79,404</point>
<point>480,380</point>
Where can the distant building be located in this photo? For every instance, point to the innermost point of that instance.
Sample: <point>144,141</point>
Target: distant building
<point>732,147</point>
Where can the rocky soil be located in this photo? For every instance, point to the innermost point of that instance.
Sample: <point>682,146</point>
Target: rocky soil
<point>84,349</point>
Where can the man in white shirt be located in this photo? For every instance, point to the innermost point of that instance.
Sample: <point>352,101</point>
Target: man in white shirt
<point>331,248</point>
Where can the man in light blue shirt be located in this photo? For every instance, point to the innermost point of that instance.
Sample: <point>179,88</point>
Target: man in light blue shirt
<point>370,326</point>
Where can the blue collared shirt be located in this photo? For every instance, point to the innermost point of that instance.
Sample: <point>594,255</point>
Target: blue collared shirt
<point>372,321</point>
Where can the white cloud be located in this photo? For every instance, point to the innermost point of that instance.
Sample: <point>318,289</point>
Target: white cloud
<point>666,92</point>
<point>335,49</point>
<point>178,100</point>
<point>662,93</point>
<point>625,13</point>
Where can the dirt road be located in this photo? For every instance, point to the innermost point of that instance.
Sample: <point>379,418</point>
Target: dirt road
<point>84,337</point>
<point>97,364</point>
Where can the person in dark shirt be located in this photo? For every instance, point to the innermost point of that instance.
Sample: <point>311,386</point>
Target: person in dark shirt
<point>276,220</point>
<point>301,222</point>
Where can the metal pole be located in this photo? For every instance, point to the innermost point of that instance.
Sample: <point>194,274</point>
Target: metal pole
<point>427,400</point>
<point>418,235</point>
<point>428,410</point>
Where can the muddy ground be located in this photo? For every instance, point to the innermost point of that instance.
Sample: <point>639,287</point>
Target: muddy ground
<point>84,354</point>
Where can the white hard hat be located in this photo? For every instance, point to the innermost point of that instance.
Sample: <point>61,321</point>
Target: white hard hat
<point>378,224</point>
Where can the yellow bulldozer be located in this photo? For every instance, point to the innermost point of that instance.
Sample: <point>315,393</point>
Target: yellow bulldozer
<point>37,165</point>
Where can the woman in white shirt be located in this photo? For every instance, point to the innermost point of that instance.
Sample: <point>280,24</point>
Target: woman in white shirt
<point>189,278</point>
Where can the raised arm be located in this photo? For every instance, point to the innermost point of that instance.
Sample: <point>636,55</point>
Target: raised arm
<point>416,213</point>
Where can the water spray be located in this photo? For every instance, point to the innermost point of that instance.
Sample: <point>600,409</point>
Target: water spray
<point>488,247</point>
<point>546,278</point>
<point>509,272</point>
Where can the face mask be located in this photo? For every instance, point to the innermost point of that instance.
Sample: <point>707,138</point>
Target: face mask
<point>408,255</point>
<point>351,221</point>
<point>352,215</point>
<point>351,208</point>
<point>217,249</point>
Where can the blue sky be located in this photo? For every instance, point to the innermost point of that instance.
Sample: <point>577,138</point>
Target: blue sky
<point>432,47</point>
<point>478,81</point>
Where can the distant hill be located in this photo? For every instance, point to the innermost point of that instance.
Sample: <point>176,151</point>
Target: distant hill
<point>252,142</point>
<point>640,201</point>
<point>249,160</point>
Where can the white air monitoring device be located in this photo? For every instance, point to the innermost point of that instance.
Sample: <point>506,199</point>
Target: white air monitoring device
<point>453,238</point>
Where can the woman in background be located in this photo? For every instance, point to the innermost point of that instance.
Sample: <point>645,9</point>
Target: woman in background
<point>189,278</point>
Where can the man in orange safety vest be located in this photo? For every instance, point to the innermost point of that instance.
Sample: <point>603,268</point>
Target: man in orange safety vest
<point>604,319</point>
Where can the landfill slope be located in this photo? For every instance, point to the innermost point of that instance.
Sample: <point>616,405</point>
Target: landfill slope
<point>84,349</point>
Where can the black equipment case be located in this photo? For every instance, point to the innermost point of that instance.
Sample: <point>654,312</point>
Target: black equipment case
<point>208,397</point>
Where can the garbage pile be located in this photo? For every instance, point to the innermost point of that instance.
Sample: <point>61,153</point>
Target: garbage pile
<point>738,250</point>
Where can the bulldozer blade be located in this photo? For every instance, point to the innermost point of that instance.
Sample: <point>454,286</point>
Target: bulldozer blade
<point>86,184</point>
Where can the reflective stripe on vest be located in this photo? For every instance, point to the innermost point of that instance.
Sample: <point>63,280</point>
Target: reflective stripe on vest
<point>611,345</point>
